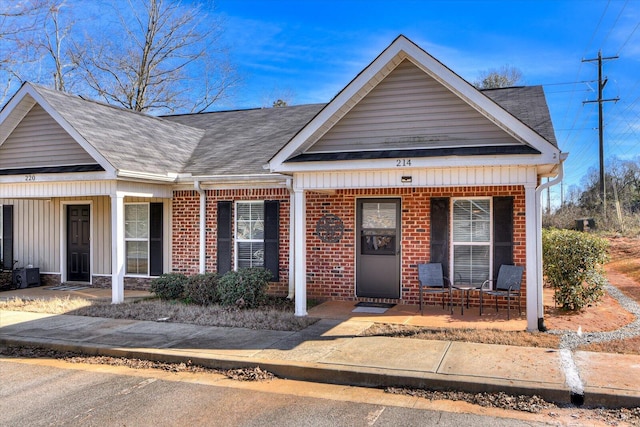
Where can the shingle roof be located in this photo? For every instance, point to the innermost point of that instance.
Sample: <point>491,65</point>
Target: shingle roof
<point>128,140</point>
<point>529,105</point>
<point>242,142</point>
<point>237,142</point>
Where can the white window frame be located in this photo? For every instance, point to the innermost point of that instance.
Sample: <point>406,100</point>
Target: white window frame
<point>237,240</point>
<point>137,239</point>
<point>455,243</point>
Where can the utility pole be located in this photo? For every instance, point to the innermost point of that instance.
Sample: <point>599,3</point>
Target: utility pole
<point>601,85</point>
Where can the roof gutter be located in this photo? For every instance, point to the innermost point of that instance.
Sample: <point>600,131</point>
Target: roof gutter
<point>169,177</point>
<point>538,218</point>
<point>203,224</point>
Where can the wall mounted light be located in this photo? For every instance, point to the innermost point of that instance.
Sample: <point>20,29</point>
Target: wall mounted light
<point>406,178</point>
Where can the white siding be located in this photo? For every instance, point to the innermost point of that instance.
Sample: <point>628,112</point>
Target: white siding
<point>410,109</point>
<point>433,177</point>
<point>38,229</point>
<point>39,141</point>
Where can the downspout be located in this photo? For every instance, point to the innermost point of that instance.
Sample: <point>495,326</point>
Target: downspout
<point>203,225</point>
<point>292,288</point>
<point>539,190</point>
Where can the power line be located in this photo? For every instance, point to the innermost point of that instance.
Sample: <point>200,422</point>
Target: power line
<point>601,84</point>
<point>628,38</point>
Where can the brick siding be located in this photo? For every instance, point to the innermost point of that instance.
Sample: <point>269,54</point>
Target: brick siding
<point>186,230</point>
<point>331,266</point>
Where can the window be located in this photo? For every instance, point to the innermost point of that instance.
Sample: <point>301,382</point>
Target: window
<point>249,248</point>
<point>136,236</point>
<point>472,238</point>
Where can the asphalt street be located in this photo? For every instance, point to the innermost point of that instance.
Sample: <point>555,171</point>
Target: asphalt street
<point>41,392</point>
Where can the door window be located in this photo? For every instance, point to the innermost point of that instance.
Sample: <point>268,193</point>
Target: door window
<point>378,233</point>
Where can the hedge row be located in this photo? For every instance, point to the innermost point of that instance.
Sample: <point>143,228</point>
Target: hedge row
<point>246,288</point>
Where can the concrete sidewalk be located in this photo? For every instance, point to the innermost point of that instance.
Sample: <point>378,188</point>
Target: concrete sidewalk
<point>331,351</point>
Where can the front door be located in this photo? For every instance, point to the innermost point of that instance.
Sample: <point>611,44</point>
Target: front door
<point>378,248</point>
<point>78,244</point>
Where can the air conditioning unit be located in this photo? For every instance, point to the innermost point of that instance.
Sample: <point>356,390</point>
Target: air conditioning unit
<point>23,277</point>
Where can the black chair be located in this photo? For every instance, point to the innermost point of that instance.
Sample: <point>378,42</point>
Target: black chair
<point>432,281</point>
<point>507,285</point>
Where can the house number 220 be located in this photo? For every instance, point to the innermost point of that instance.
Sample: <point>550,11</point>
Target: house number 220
<point>29,177</point>
<point>403,162</point>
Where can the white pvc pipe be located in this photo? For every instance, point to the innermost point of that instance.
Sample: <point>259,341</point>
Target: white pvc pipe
<point>538,217</point>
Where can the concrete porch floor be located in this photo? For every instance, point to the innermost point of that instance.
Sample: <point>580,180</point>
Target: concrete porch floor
<point>434,316</point>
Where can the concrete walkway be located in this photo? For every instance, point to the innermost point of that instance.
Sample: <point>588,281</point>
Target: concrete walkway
<point>331,351</point>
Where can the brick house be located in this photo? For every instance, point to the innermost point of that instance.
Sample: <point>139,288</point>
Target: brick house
<point>408,164</point>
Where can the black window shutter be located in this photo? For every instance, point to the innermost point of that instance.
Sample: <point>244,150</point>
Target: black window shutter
<point>440,232</point>
<point>272,237</point>
<point>502,233</point>
<point>224,237</point>
<point>7,237</point>
<point>156,267</point>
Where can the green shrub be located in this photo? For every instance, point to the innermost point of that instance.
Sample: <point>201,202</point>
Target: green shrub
<point>573,265</point>
<point>246,288</point>
<point>202,289</point>
<point>169,286</point>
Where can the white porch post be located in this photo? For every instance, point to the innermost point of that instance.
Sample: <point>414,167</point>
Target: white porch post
<point>534,295</point>
<point>292,238</point>
<point>300,248</point>
<point>117,249</point>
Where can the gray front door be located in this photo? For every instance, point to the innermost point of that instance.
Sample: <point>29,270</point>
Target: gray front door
<point>378,248</point>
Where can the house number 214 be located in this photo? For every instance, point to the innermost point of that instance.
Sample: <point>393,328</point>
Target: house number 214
<point>403,162</point>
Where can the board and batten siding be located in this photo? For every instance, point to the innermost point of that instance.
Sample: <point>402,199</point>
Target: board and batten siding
<point>39,230</point>
<point>39,141</point>
<point>409,109</point>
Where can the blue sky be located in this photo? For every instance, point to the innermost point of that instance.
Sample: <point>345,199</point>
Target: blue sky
<point>305,51</point>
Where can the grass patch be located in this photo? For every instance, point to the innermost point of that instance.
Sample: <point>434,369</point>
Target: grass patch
<point>482,336</point>
<point>276,315</point>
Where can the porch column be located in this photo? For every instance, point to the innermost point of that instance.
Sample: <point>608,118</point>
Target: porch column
<point>117,249</point>
<point>300,249</point>
<point>533,263</point>
<point>292,237</point>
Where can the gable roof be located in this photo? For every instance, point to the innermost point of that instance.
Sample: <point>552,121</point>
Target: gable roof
<point>119,139</point>
<point>259,141</point>
<point>400,51</point>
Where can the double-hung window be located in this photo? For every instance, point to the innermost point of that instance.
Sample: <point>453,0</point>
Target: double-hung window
<point>471,240</point>
<point>249,242</point>
<point>136,236</point>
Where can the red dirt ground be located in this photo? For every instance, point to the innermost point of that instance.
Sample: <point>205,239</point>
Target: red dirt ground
<point>623,271</point>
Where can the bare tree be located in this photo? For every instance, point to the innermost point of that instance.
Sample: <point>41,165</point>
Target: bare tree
<point>53,38</point>
<point>505,76</point>
<point>18,20</point>
<point>166,59</point>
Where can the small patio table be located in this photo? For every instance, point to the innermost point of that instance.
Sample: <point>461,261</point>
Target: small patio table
<point>464,288</point>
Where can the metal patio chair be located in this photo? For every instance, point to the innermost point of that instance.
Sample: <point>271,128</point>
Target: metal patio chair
<point>432,281</point>
<point>507,285</point>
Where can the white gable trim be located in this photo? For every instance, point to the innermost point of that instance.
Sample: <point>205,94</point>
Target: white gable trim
<point>401,49</point>
<point>15,111</point>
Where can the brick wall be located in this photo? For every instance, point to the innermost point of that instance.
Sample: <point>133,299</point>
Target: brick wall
<point>331,266</point>
<point>186,229</point>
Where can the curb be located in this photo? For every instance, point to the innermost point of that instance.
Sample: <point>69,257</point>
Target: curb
<point>332,374</point>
